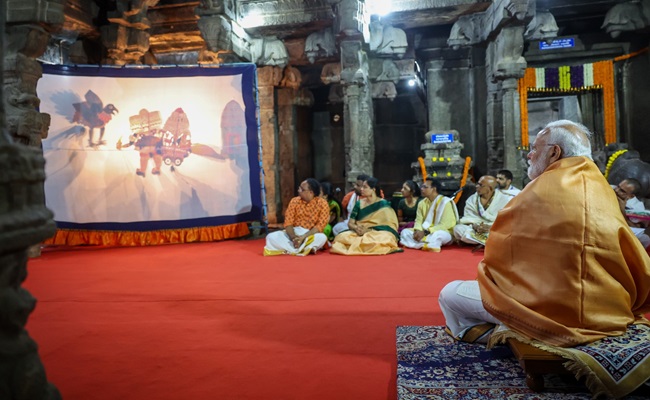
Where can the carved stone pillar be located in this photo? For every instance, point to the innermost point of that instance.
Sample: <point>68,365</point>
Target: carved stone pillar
<point>292,148</point>
<point>21,74</point>
<point>215,24</point>
<point>358,111</point>
<point>505,65</point>
<point>126,38</point>
<point>267,79</point>
<point>24,220</point>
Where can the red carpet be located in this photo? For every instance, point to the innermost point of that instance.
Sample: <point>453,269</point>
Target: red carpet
<point>220,321</point>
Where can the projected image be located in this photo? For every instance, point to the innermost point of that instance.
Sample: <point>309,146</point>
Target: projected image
<point>142,149</point>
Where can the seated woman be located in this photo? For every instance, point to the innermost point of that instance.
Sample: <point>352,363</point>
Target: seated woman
<point>335,208</point>
<point>373,225</point>
<point>408,207</point>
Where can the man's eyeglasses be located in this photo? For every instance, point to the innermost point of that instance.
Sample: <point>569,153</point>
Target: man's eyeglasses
<point>425,187</point>
<point>302,189</point>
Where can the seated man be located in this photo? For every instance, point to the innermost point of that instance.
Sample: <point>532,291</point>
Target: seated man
<point>561,265</point>
<point>304,222</point>
<point>481,210</point>
<point>626,192</point>
<point>348,203</point>
<point>504,180</point>
<point>434,222</point>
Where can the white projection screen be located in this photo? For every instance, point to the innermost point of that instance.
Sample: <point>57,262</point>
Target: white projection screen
<point>140,149</point>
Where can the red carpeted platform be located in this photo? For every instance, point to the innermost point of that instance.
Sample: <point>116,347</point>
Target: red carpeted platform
<point>220,321</point>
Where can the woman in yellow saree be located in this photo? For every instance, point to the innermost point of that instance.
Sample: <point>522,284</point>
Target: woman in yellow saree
<point>372,226</point>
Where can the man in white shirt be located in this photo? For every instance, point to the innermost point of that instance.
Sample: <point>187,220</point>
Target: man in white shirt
<point>504,180</point>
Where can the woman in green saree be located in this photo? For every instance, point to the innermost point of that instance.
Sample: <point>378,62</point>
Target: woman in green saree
<point>372,226</point>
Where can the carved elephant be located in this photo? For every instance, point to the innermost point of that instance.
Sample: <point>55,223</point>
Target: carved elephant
<point>269,51</point>
<point>630,165</point>
<point>627,17</point>
<point>320,44</point>
<point>385,39</point>
<point>542,27</point>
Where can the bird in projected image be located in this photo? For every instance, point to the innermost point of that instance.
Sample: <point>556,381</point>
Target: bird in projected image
<point>93,114</point>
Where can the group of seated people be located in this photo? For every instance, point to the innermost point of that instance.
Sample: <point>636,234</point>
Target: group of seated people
<point>561,264</point>
<point>425,218</point>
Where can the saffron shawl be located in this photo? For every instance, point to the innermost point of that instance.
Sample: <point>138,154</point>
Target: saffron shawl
<point>561,265</point>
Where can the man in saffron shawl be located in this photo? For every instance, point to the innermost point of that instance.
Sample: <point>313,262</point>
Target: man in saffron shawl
<point>561,265</point>
<point>372,227</point>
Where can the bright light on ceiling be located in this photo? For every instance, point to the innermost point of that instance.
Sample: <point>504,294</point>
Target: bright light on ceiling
<point>381,7</point>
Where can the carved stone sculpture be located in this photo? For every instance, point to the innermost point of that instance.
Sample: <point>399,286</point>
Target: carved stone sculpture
<point>269,51</point>
<point>331,73</point>
<point>389,72</point>
<point>320,44</point>
<point>629,16</point>
<point>384,90</point>
<point>542,27</point>
<point>216,31</point>
<point>387,40</point>
<point>465,32</point>
<point>291,78</point>
<point>505,54</point>
<point>24,219</point>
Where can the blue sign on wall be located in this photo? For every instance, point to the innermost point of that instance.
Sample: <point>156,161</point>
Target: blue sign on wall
<point>565,43</point>
<point>442,138</point>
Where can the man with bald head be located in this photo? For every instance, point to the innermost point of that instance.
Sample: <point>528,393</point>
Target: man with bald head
<point>481,210</point>
<point>561,265</point>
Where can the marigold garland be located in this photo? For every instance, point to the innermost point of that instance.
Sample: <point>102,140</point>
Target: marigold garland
<point>423,168</point>
<point>603,79</point>
<point>611,160</point>
<point>463,181</point>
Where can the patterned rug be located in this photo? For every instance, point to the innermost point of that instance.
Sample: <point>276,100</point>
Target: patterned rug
<point>431,365</point>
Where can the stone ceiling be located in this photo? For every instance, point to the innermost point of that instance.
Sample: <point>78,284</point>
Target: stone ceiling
<point>174,23</point>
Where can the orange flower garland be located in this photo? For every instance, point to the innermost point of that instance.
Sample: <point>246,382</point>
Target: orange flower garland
<point>603,78</point>
<point>423,168</point>
<point>463,181</point>
<point>524,83</point>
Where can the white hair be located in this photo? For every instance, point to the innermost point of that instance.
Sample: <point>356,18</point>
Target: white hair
<point>567,135</point>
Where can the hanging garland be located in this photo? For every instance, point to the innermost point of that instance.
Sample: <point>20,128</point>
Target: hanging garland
<point>611,160</point>
<point>423,168</point>
<point>463,181</point>
<point>577,78</point>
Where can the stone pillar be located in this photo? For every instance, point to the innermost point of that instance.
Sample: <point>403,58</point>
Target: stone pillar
<point>126,38</point>
<point>267,79</point>
<point>358,115</point>
<point>286,145</point>
<point>24,219</point>
<point>505,65</point>
<point>289,97</point>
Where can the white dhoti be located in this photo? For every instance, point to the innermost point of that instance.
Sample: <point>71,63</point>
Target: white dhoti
<point>465,233</point>
<point>279,243</point>
<point>340,227</point>
<point>460,302</point>
<point>432,241</point>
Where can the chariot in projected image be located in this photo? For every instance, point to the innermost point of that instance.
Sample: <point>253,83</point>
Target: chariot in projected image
<point>170,143</point>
